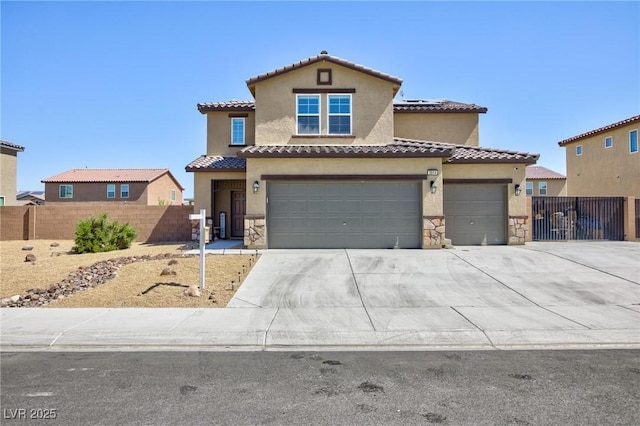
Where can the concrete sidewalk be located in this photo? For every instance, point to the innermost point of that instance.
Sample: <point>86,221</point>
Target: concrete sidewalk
<point>540,296</point>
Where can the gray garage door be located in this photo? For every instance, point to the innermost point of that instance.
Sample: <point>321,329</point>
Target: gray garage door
<point>475,214</point>
<point>373,214</point>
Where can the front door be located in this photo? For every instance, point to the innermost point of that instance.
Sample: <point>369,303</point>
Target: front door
<point>237,213</point>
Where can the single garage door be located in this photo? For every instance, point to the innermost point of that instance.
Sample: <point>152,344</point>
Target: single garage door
<point>343,214</point>
<point>475,214</point>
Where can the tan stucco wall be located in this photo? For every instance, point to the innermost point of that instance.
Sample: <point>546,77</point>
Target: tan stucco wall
<point>517,205</point>
<point>8,171</point>
<point>601,171</point>
<point>458,128</point>
<point>160,191</point>
<point>202,188</point>
<point>372,107</point>
<point>219,133</point>
<point>96,193</point>
<point>256,167</point>
<point>555,187</point>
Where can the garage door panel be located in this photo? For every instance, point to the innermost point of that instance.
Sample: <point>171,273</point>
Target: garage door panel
<point>375,213</point>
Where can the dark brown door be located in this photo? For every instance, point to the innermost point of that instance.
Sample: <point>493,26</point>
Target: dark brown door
<point>237,213</point>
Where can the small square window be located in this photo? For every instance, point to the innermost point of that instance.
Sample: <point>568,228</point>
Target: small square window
<point>124,190</point>
<point>529,188</point>
<point>66,191</point>
<point>633,141</point>
<point>324,77</point>
<point>608,142</point>
<point>542,188</point>
<point>579,150</point>
<point>111,191</point>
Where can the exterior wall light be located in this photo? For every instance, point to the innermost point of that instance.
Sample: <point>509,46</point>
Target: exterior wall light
<point>434,186</point>
<point>256,187</point>
<point>518,189</point>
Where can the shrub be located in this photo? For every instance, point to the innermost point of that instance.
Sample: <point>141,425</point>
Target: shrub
<point>99,234</point>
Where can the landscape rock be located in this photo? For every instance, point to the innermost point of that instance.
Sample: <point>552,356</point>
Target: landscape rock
<point>54,244</point>
<point>30,258</point>
<point>168,271</point>
<point>14,298</point>
<point>173,262</point>
<point>192,291</point>
<point>27,247</point>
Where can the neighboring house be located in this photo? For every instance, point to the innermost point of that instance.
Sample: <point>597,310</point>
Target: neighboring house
<point>543,181</point>
<point>324,158</point>
<point>8,172</point>
<point>604,161</point>
<point>132,186</point>
<point>30,198</point>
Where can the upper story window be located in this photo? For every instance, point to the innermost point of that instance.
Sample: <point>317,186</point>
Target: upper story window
<point>66,191</point>
<point>579,150</point>
<point>608,142</point>
<point>308,114</point>
<point>237,131</point>
<point>339,114</point>
<point>173,195</point>
<point>529,188</point>
<point>542,188</point>
<point>111,190</point>
<point>633,141</point>
<point>124,190</point>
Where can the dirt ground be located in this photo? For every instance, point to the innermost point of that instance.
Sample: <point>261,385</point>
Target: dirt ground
<point>136,285</point>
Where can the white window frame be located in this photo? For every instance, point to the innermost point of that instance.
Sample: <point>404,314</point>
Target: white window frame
<point>68,194</point>
<point>578,150</point>
<point>610,140</point>
<point>529,188</point>
<point>542,186</point>
<point>173,195</point>
<point>244,131</point>
<point>636,132</point>
<point>306,95</point>
<point>111,185</point>
<point>122,191</point>
<point>2,200</point>
<point>350,114</point>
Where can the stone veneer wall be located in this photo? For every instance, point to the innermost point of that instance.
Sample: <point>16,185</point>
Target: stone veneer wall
<point>433,231</point>
<point>518,230</point>
<point>254,231</point>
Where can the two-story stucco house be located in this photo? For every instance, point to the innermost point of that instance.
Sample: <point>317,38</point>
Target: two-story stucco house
<point>604,161</point>
<point>8,172</point>
<point>542,181</point>
<point>324,158</point>
<point>119,186</point>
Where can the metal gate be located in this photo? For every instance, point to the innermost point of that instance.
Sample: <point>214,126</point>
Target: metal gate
<point>577,218</point>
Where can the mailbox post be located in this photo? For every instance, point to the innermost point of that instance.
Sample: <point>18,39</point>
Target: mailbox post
<point>202,217</point>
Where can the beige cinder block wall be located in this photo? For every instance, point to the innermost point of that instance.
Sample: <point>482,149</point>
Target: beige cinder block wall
<point>456,128</point>
<point>8,171</point>
<point>256,167</point>
<point>601,171</point>
<point>202,187</point>
<point>219,132</point>
<point>372,107</point>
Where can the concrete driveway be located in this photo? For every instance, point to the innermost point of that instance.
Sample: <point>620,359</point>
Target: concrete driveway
<point>541,293</point>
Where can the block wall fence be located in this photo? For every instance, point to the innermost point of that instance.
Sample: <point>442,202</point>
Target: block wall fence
<point>153,223</point>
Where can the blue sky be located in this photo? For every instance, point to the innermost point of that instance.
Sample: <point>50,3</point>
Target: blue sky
<point>115,84</point>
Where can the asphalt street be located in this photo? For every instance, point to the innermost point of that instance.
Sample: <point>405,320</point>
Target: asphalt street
<point>392,388</point>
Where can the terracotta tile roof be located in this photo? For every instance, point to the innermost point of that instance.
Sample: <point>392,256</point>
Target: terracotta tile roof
<point>13,146</point>
<point>539,172</point>
<point>402,107</point>
<point>631,120</point>
<point>323,56</point>
<point>476,154</point>
<point>217,163</point>
<point>346,151</point>
<point>232,105</point>
<point>436,105</point>
<point>108,175</point>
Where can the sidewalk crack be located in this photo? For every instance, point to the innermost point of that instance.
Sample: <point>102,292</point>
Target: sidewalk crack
<point>355,281</point>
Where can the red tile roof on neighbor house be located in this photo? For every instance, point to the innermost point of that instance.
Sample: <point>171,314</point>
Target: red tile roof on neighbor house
<point>539,172</point>
<point>323,56</point>
<point>13,146</point>
<point>109,175</point>
<point>409,106</point>
<point>631,120</point>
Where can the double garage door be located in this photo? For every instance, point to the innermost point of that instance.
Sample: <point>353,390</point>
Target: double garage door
<point>476,214</point>
<point>344,214</point>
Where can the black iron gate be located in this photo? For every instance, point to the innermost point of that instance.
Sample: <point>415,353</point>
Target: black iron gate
<point>577,218</point>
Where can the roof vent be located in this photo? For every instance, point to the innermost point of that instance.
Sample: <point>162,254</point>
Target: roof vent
<point>324,52</point>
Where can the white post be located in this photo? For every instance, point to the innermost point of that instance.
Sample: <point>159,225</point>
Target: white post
<point>203,217</point>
